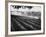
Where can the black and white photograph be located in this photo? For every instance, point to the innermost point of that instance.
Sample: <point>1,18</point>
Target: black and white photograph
<point>25,18</point>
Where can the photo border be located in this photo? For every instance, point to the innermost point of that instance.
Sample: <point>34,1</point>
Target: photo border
<point>25,2</point>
